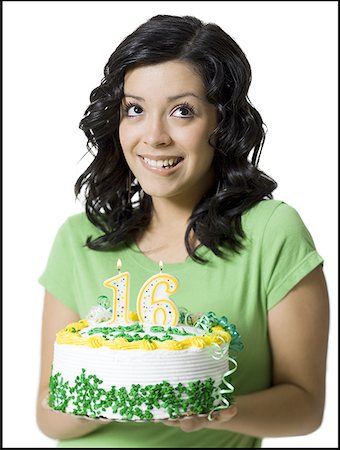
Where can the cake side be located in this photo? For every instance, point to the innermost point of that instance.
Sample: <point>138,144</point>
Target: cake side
<point>142,372</point>
<point>135,384</point>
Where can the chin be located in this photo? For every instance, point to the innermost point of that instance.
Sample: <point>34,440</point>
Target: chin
<point>158,192</point>
<point>156,188</point>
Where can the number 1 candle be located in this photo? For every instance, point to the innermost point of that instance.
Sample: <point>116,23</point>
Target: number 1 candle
<point>120,284</point>
<point>154,306</point>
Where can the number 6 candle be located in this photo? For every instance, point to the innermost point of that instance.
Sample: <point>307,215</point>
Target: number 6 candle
<point>153,304</point>
<point>120,284</point>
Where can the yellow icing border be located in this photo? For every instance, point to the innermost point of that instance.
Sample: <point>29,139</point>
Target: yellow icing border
<point>66,336</point>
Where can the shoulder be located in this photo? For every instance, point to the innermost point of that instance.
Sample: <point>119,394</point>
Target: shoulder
<point>264,209</point>
<point>273,217</point>
<point>77,227</point>
<point>277,228</point>
<point>78,220</point>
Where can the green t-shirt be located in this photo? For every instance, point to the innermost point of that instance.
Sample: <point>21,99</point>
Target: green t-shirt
<point>279,252</point>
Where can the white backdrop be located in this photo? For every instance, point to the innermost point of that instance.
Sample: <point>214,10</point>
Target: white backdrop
<point>54,55</point>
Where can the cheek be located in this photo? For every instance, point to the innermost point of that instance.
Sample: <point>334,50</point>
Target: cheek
<point>123,137</point>
<point>126,143</point>
<point>203,160</point>
<point>196,134</point>
<point>202,153</point>
<point>196,141</point>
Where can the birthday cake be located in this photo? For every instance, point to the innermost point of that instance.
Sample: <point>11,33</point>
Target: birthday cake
<point>158,363</point>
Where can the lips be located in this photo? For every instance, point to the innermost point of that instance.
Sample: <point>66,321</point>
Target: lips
<point>161,164</point>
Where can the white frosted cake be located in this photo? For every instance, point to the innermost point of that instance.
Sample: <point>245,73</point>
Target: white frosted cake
<point>140,372</point>
<point>153,364</point>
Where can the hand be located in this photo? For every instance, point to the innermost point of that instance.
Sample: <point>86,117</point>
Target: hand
<point>195,423</point>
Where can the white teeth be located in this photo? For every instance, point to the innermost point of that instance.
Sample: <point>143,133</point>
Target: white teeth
<point>161,162</point>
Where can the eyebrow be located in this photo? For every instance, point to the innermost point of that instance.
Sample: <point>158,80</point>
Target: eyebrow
<point>171,98</point>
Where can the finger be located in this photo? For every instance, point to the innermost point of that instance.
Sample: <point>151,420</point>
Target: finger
<point>189,424</point>
<point>171,423</point>
<point>224,415</point>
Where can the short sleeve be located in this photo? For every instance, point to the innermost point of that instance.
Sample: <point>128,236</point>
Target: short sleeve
<point>57,276</point>
<point>288,253</point>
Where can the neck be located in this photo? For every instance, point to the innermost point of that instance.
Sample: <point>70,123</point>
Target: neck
<point>164,238</point>
<point>170,213</point>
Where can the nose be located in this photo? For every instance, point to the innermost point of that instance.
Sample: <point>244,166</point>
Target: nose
<point>156,133</point>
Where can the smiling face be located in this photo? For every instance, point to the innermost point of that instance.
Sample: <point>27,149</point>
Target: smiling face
<point>165,125</point>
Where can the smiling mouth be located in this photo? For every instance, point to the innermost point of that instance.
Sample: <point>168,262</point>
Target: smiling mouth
<point>166,163</point>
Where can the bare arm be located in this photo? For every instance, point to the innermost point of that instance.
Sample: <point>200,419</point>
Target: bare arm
<point>53,424</point>
<point>298,332</point>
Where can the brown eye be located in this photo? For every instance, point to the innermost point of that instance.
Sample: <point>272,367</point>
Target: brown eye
<point>133,110</point>
<point>184,111</point>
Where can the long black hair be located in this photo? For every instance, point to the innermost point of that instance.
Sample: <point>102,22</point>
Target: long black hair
<point>237,139</point>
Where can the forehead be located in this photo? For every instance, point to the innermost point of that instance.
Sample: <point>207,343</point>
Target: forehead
<point>166,79</point>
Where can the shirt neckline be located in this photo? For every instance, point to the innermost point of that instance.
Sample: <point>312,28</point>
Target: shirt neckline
<point>147,263</point>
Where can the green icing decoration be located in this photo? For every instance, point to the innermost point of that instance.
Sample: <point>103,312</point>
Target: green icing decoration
<point>138,328</point>
<point>86,397</point>
<point>122,331</point>
<point>59,393</point>
<point>157,329</point>
<point>178,332</point>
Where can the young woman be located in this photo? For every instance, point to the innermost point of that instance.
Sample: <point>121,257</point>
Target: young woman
<point>175,177</point>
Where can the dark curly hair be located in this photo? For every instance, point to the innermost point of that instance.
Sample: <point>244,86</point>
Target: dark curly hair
<point>226,74</point>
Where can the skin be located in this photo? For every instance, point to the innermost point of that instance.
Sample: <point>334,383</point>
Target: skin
<point>156,127</point>
<point>295,403</point>
<point>160,128</point>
